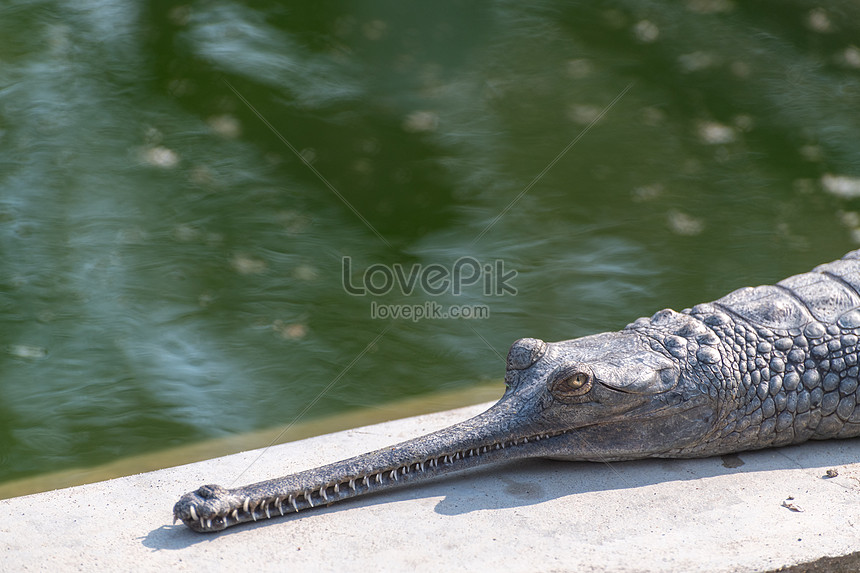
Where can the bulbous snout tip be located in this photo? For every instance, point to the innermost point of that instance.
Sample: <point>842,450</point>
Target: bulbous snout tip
<point>525,352</point>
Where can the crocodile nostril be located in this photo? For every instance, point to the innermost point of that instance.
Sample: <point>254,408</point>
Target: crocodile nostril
<point>525,352</point>
<point>210,491</point>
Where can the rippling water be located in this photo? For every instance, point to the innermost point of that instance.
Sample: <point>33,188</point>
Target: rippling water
<point>180,185</point>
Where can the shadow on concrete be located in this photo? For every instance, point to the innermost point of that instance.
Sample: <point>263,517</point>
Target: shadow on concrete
<point>177,536</point>
<point>530,482</point>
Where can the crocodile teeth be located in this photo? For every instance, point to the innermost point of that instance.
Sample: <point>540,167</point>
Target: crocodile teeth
<point>393,475</point>
<point>202,525</point>
<point>193,513</point>
<point>235,514</point>
<point>352,484</point>
<point>378,478</point>
<point>337,488</point>
<point>308,497</point>
<point>293,503</point>
<point>322,493</point>
<point>208,524</point>
<point>268,515</point>
<point>245,505</point>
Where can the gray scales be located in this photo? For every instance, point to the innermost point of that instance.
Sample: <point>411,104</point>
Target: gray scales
<point>761,367</point>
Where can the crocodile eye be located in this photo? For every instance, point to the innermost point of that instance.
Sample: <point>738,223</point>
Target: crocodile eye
<point>569,382</point>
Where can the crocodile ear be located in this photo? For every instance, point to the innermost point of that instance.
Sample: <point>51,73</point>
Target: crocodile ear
<point>643,372</point>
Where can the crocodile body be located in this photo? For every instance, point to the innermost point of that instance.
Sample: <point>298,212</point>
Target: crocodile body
<point>760,367</point>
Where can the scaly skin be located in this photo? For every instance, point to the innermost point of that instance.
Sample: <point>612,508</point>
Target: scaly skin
<point>760,367</point>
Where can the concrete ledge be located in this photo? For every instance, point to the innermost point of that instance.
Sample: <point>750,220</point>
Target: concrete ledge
<point>732,514</point>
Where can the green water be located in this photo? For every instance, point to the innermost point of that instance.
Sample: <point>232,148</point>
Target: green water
<point>172,272</point>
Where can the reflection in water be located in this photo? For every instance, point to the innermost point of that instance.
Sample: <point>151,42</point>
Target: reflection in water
<point>172,271</point>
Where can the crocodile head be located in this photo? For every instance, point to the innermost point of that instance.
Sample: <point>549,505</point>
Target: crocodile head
<point>604,397</point>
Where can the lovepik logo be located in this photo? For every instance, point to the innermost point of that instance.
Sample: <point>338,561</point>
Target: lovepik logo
<point>434,279</point>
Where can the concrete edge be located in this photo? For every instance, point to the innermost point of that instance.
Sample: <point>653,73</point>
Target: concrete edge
<point>532,515</point>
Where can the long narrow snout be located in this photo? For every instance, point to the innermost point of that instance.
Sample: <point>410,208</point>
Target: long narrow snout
<point>497,434</point>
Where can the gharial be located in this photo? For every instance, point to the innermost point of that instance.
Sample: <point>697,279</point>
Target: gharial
<point>760,367</point>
